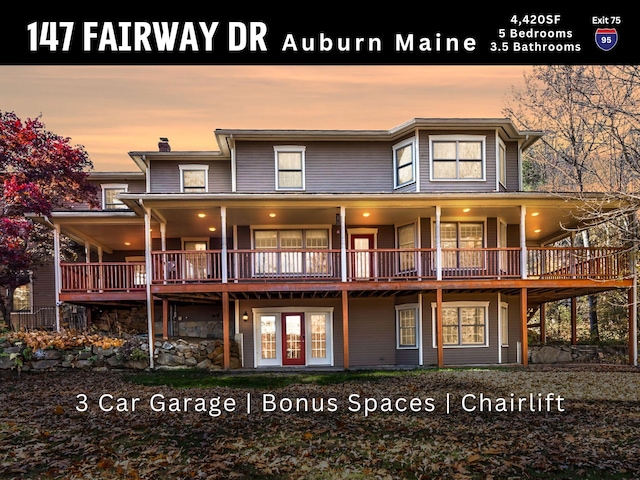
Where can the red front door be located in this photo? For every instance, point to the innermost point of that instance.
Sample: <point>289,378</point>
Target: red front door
<point>293,347</point>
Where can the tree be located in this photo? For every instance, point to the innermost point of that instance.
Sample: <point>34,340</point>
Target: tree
<point>590,116</point>
<point>39,171</point>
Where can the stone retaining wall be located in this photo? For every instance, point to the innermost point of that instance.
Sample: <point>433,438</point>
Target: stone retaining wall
<point>578,354</point>
<point>206,355</point>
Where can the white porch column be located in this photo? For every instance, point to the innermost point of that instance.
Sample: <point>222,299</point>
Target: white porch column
<point>163,247</point>
<point>523,241</point>
<point>147,257</point>
<point>343,244</point>
<point>163,236</point>
<point>223,228</point>
<point>57,274</point>
<point>438,244</point>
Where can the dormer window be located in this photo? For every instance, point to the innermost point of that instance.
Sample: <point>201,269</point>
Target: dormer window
<point>110,200</point>
<point>289,167</point>
<point>457,157</point>
<point>404,171</point>
<point>194,178</point>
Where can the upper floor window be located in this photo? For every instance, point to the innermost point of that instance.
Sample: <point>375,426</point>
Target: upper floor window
<point>194,178</point>
<point>290,168</point>
<point>502,163</point>
<point>110,200</point>
<point>457,157</point>
<point>404,163</point>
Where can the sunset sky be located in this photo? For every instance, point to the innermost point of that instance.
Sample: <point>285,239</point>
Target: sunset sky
<point>112,110</point>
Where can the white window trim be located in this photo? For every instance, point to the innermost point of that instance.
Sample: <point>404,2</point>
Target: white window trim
<point>395,148</point>
<point>451,138</point>
<point>416,308</point>
<point>459,220</point>
<point>290,148</point>
<point>281,227</point>
<point>193,166</point>
<point>499,168</point>
<point>206,240</point>
<point>30,283</point>
<point>277,312</point>
<point>485,305</point>
<point>416,241</point>
<point>501,320</point>
<point>109,186</point>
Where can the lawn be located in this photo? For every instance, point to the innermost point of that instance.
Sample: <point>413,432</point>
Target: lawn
<point>535,422</point>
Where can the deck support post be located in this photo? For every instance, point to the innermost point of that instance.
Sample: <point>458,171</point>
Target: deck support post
<point>226,341</point>
<point>345,329</point>
<point>165,319</point>
<point>543,323</point>
<point>523,327</point>
<point>574,320</point>
<point>439,333</point>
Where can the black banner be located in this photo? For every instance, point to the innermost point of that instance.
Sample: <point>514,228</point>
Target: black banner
<point>323,34</point>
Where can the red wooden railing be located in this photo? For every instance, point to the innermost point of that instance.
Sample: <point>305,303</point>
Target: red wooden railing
<point>296,265</point>
<point>178,266</point>
<point>481,263</point>
<point>170,267</point>
<point>577,262</point>
<point>103,277</point>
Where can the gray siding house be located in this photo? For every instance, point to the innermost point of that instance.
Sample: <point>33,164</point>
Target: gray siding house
<point>413,246</point>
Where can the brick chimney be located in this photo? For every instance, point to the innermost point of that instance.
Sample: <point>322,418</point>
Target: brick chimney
<point>163,145</point>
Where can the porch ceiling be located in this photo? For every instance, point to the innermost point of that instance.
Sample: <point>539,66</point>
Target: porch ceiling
<point>548,218</point>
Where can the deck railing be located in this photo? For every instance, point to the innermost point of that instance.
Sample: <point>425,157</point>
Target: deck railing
<point>282,265</point>
<point>295,265</point>
<point>577,262</point>
<point>103,277</point>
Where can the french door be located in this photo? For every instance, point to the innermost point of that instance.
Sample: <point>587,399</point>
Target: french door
<point>293,339</point>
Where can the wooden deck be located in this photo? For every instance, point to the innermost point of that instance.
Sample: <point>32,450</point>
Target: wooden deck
<point>554,272</point>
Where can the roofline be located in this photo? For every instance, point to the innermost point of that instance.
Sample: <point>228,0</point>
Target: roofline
<point>225,137</point>
<point>509,128</point>
<point>502,198</point>
<point>106,175</point>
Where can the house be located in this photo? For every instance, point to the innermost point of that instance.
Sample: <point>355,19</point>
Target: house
<point>337,248</point>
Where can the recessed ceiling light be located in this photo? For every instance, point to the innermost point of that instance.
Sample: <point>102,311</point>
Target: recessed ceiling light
<point>202,215</point>
<point>127,243</point>
<point>366,214</point>
<point>535,214</point>
<point>466,210</point>
<point>537,230</point>
<point>272,215</point>
<point>212,229</point>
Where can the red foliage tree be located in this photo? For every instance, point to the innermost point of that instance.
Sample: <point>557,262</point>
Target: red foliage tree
<point>39,171</point>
